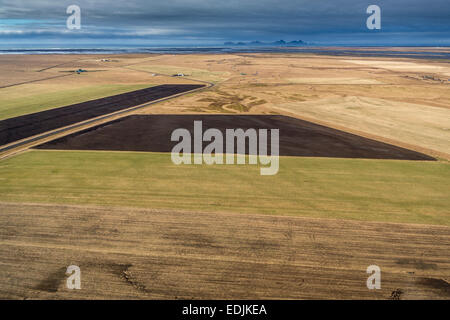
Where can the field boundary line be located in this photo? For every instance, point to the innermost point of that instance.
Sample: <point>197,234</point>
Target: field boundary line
<point>33,81</point>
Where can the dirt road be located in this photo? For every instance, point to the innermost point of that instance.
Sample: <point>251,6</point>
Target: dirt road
<point>22,127</point>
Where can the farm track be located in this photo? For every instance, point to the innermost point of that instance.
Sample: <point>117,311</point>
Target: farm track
<point>25,126</point>
<point>34,81</point>
<point>30,128</point>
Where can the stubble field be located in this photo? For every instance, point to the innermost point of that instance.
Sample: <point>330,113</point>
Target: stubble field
<point>157,254</point>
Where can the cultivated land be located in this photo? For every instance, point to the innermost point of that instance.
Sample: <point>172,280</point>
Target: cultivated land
<point>163,231</point>
<point>296,137</point>
<point>25,126</point>
<point>48,82</point>
<point>407,106</point>
<point>15,106</point>
<point>157,254</point>
<point>377,190</point>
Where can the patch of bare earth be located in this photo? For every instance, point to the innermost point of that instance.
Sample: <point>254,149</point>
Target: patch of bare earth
<point>153,254</point>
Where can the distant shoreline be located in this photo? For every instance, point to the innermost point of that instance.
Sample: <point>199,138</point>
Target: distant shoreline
<point>399,52</point>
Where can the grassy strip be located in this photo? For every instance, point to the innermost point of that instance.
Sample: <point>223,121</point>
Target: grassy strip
<point>375,190</point>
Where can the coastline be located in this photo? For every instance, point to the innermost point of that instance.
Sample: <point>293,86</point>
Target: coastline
<point>441,53</point>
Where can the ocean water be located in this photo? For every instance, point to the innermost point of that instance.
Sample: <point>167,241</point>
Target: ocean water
<point>361,52</point>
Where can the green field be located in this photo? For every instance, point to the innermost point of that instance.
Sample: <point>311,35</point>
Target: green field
<point>29,101</point>
<point>378,190</point>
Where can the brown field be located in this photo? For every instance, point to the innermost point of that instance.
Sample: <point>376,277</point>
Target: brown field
<point>25,69</point>
<point>132,253</point>
<point>172,254</point>
<point>297,137</point>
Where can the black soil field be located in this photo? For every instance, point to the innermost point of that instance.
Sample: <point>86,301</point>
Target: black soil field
<point>32,124</point>
<point>297,137</point>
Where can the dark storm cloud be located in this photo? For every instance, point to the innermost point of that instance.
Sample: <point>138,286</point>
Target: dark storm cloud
<point>224,20</point>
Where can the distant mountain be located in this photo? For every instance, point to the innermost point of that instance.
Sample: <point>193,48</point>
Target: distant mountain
<point>295,43</point>
<point>279,43</point>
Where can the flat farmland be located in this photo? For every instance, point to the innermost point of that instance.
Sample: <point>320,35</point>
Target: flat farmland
<point>40,97</point>
<point>380,98</point>
<point>35,83</point>
<point>395,100</point>
<point>165,254</point>
<point>362,189</point>
<point>141,227</point>
<point>297,137</point>
<point>25,126</point>
<point>26,68</point>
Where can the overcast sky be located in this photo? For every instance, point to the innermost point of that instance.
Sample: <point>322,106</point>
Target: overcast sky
<point>208,22</point>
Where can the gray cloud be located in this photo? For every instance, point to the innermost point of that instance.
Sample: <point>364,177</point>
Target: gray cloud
<point>226,20</point>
